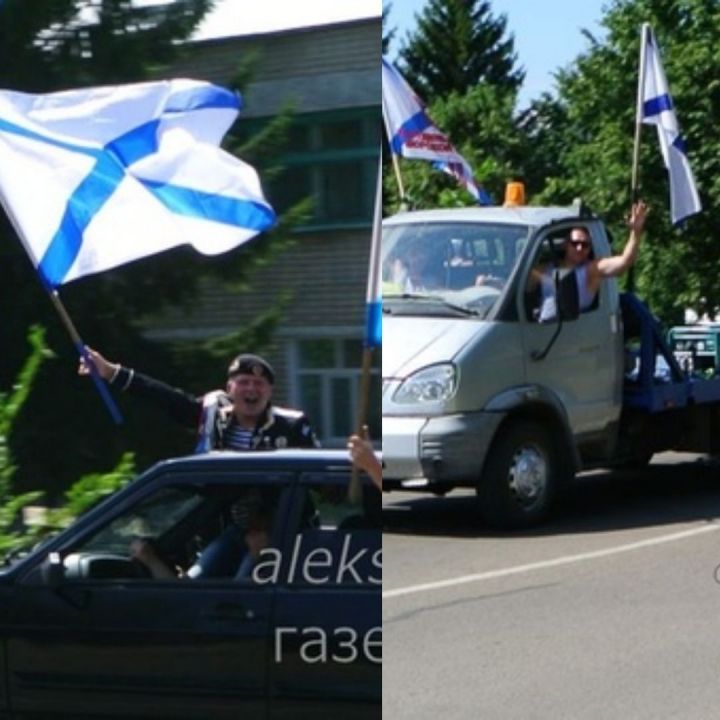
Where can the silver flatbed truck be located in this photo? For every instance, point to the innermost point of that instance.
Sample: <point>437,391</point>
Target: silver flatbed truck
<point>477,392</point>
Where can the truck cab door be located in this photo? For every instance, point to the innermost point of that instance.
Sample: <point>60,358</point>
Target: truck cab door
<point>583,368</point>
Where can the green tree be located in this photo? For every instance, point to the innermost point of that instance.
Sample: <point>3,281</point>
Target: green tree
<point>11,504</point>
<point>61,43</point>
<point>461,61</point>
<point>457,45</point>
<point>593,128</point>
<point>481,126</point>
<point>387,37</point>
<point>14,534</point>
<point>543,131</point>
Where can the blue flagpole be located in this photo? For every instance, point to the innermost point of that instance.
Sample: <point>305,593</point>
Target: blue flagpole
<point>83,353</point>
<point>69,326</point>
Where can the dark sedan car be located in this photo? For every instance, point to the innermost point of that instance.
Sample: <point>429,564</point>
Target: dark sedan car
<point>226,585</point>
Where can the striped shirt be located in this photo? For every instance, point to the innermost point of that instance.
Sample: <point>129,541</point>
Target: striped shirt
<point>236,437</point>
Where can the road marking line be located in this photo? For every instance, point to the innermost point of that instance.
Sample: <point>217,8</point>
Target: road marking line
<point>543,564</point>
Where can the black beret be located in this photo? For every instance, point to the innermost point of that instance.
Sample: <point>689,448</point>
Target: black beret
<point>247,364</point>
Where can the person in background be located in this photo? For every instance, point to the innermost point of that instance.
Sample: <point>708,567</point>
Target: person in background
<point>234,553</point>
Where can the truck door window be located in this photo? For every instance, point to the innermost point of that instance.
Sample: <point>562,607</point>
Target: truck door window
<point>539,287</point>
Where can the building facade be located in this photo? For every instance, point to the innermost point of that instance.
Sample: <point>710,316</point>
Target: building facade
<point>331,77</point>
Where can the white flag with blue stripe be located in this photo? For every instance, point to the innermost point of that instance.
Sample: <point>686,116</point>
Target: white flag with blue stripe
<point>656,108</point>
<point>99,177</point>
<point>373,313</point>
<point>412,133</point>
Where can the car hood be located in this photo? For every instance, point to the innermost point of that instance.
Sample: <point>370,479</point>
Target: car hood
<point>411,343</point>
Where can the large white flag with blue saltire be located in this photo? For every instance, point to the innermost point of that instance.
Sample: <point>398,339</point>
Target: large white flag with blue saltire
<point>99,177</point>
<point>656,108</point>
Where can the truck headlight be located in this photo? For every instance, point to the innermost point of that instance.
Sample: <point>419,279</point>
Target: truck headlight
<point>431,385</point>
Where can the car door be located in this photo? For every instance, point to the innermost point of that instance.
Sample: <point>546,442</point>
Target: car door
<point>326,658</point>
<point>137,646</point>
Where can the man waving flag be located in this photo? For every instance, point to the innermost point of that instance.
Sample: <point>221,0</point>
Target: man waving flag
<point>412,133</point>
<point>655,107</point>
<point>99,177</point>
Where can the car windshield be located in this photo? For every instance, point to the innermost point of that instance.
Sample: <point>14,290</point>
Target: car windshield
<point>461,265</point>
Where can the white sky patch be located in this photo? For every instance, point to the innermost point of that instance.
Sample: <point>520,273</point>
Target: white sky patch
<point>238,17</point>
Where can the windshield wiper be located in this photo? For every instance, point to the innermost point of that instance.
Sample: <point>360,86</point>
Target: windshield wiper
<point>431,299</point>
<point>458,308</point>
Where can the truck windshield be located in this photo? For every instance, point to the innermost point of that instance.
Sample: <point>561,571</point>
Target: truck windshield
<point>464,265</point>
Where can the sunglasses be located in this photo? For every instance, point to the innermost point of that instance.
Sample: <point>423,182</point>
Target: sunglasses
<point>580,244</point>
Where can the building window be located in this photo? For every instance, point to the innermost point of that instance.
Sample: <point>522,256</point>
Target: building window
<point>331,157</point>
<point>327,387</point>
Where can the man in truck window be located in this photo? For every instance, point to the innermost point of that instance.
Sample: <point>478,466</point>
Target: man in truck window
<point>590,271</point>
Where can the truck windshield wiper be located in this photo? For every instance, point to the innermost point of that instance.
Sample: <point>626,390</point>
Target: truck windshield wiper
<point>434,299</point>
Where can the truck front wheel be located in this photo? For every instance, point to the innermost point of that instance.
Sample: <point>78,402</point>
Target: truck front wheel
<point>521,476</point>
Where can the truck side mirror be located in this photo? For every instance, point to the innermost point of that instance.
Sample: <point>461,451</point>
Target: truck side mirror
<point>566,295</point>
<point>567,304</point>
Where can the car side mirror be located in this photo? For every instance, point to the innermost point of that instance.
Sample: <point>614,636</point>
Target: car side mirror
<point>566,294</point>
<point>53,570</point>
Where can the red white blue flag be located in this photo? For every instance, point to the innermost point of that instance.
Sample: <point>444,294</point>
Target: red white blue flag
<point>412,133</point>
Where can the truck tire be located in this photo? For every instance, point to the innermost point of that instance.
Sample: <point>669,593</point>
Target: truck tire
<point>521,476</point>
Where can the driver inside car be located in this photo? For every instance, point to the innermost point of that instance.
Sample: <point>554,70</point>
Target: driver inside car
<point>231,554</point>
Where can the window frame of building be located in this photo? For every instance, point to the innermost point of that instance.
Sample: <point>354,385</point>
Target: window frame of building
<point>313,157</point>
<point>323,416</point>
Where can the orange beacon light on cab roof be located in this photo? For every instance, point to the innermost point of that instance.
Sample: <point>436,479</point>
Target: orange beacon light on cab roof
<point>514,194</point>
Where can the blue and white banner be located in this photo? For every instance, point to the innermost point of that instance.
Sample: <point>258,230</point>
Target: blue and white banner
<point>656,108</point>
<point>373,329</point>
<point>412,133</point>
<point>99,177</point>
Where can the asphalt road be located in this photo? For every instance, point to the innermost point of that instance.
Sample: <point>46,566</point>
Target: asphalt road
<point>610,610</point>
